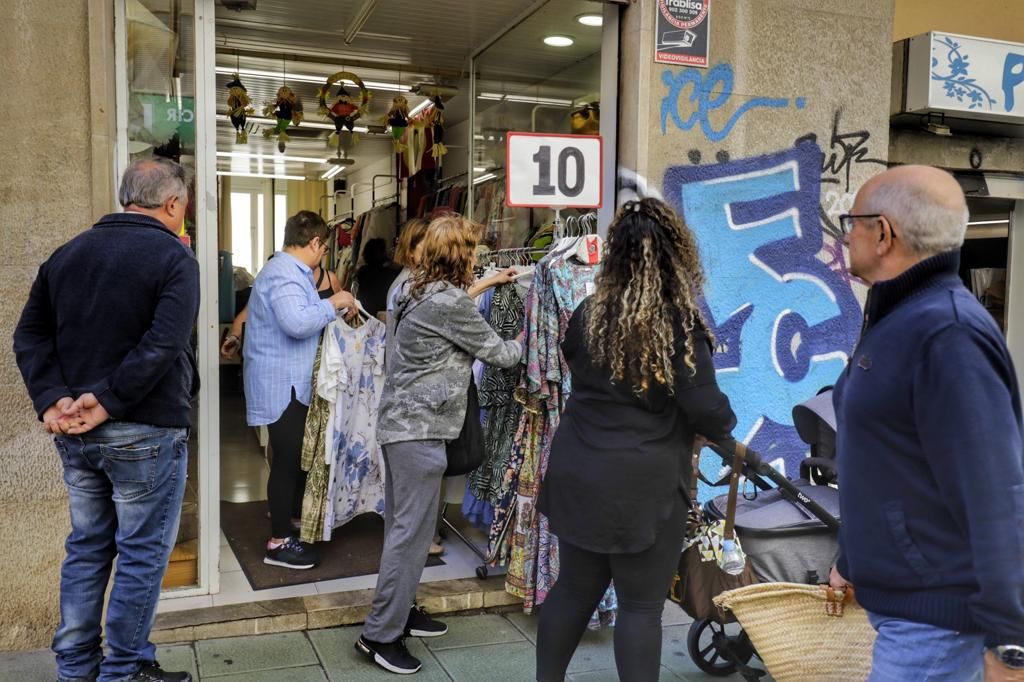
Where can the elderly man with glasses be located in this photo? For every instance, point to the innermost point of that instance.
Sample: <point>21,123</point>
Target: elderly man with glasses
<point>930,450</point>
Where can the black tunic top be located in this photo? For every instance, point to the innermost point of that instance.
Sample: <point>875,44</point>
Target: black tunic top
<point>620,463</point>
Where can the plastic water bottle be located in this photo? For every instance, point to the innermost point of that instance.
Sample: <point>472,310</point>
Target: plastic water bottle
<point>733,560</point>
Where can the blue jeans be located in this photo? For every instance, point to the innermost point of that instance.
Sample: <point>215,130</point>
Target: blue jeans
<point>905,650</point>
<point>125,484</point>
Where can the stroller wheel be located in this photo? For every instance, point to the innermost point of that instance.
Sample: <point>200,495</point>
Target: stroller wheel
<point>716,648</point>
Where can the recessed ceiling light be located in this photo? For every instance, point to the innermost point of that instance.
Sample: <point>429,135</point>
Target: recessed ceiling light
<point>558,41</point>
<point>590,19</point>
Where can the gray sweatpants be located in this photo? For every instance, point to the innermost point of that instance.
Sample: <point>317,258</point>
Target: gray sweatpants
<point>413,473</point>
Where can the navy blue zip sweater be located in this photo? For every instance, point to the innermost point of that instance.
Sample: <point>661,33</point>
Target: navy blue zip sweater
<point>111,312</point>
<point>931,463</point>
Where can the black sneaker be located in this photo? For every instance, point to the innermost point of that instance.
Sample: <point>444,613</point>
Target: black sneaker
<point>291,554</point>
<point>393,657</point>
<point>420,624</point>
<point>152,672</point>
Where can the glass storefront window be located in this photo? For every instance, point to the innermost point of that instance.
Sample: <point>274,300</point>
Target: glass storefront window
<point>161,121</point>
<point>525,85</point>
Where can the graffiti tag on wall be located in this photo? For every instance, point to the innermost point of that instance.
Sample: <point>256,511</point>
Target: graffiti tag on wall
<point>785,321</point>
<point>708,92</point>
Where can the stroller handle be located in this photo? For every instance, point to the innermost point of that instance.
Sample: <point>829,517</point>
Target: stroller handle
<point>756,468</point>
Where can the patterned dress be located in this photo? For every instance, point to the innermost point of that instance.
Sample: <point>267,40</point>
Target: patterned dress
<point>559,286</point>
<point>349,379</point>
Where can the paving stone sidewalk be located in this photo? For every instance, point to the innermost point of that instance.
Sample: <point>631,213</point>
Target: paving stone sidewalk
<point>482,648</point>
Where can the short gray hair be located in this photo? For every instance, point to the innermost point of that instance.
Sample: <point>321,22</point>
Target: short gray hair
<point>927,226</point>
<point>148,183</point>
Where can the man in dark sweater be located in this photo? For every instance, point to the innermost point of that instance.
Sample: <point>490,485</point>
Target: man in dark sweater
<point>930,453</point>
<point>103,347</point>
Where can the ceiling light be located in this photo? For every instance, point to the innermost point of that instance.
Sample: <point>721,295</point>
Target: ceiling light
<point>272,157</point>
<point>332,172</point>
<point>1004,221</point>
<point>526,99</point>
<point>420,107</point>
<point>304,124</point>
<point>590,19</point>
<point>261,175</point>
<point>307,78</point>
<point>359,20</point>
<point>479,169</point>
<point>484,178</point>
<point>558,41</point>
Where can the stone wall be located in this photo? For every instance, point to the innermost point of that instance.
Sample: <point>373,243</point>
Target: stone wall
<point>762,151</point>
<point>56,178</point>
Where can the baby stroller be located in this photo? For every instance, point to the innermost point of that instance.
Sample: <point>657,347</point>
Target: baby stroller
<point>788,529</point>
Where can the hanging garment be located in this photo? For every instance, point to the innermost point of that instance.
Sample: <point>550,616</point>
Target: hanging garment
<point>503,413</point>
<point>350,379</point>
<point>559,286</point>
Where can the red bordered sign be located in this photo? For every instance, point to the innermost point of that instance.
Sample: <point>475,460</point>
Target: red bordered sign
<point>682,32</point>
<point>561,171</point>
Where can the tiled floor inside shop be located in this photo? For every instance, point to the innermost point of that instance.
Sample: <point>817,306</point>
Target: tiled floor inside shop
<point>244,472</point>
<point>482,648</point>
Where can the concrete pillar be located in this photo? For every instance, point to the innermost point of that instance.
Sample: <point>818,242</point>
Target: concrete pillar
<point>762,151</point>
<point>58,55</point>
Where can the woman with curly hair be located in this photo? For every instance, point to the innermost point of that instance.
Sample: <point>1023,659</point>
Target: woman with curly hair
<point>618,478</point>
<point>438,331</point>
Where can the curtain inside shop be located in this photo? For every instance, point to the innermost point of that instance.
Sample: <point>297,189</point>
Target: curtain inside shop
<point>306,196</point>
<point>224,213</point>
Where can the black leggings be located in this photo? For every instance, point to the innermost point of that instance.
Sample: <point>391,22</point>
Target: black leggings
<point>287,482</point>
<point>641,581</point>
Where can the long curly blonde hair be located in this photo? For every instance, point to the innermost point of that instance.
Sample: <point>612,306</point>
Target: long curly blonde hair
<point>447,254</point>
<point>646,294</point>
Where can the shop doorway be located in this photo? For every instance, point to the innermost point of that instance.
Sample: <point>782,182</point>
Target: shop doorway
<point>260,176</point>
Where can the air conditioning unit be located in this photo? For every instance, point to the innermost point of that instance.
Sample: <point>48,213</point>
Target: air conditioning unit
<point>239,5</point>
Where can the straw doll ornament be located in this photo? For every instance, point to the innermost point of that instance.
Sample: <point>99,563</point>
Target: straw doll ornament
<point>398,120</point>
<point>239,106</point>
<point>436,122</point>
<point>343,109</point>
<point>287,109</point>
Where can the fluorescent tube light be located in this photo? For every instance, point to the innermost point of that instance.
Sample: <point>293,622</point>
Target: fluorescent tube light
<point>484,178</point>
<point>332,172</point>
<point>359,20</point>
<point>238,174</point>
<point>420,107</point>
<point>525,99</point>
<point>307,78</point>
<point>271,157</point>
<point>989,222</point>
<point>304,124</point>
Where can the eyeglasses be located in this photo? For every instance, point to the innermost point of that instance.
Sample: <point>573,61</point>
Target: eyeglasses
<point>846,220</point>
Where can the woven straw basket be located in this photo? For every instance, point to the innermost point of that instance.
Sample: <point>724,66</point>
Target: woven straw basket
<point>804,633</point>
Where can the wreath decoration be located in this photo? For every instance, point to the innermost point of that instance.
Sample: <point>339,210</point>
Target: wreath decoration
<point>342,108</point>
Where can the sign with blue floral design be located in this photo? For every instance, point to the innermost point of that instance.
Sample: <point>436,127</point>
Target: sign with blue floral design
<point>979,77</point>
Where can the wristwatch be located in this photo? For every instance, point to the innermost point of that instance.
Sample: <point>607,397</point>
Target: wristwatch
<point>1010,655</point>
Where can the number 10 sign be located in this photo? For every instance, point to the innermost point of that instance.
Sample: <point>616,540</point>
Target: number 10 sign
<point>561,171</point>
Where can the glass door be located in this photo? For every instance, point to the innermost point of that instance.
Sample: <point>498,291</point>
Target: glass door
<point>163,48</point>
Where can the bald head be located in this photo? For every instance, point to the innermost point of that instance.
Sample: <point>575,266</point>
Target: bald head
<point>925,205</point>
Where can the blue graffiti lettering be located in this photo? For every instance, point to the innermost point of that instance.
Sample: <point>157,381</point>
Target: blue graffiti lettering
<point>1013,75</point>
<point>785,321</point>
<point>708,94</point>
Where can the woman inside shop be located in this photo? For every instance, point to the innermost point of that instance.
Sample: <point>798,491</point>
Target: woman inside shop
<point>616,486</point>
<point>438,332</point>
<point>286,315</point>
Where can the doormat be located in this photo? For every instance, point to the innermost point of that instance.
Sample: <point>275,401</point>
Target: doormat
<point>353,550</point>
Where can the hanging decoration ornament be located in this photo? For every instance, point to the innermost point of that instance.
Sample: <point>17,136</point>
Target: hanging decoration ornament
<point>287,109</point>
<point>397,119</point>
<point>586,119</point>
<point>343,109</point>
<point>239,106</point>
<point>436,121</point>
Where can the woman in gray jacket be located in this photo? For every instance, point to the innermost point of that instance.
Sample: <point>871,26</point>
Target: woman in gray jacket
<point>438,332</point>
